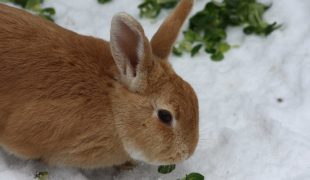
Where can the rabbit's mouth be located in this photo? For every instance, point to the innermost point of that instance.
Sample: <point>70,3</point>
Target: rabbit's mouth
<point>177,155</point>
<point>171,156</point>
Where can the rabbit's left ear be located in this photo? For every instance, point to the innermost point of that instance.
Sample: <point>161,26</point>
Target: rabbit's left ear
<point>130,49</point>
<point>167,33</point>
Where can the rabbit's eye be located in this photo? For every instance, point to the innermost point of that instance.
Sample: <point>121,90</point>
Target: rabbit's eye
<point>165,116</point>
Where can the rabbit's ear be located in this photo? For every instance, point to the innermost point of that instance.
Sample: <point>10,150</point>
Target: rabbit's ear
<point>130,49</point>
<point>166,35</point>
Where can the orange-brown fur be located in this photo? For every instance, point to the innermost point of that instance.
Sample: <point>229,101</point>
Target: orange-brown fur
<point>62,99</point>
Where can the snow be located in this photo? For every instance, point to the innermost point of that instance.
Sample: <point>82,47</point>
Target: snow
<point>246,132</point>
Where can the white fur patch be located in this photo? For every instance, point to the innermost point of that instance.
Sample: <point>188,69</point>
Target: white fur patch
<point>135,153</point>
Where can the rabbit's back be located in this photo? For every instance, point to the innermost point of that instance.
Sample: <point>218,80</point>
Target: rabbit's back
<point>40,55</point>
<point>39,59</point>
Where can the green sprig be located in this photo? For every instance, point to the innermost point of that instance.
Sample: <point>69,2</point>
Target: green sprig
<point>165,169</point>
<point>207,28</point>
<point>103,1</point>
<point>35,6</point>
<point>152,8</point>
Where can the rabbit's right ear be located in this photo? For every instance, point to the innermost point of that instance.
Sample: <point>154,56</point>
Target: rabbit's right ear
<point>131,51</point>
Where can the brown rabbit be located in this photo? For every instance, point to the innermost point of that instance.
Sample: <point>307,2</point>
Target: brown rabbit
<point>78,101</point>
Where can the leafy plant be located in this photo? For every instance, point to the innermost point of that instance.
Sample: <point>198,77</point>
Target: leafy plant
<point>41,175</point>
<point>152,8</point>
<point>165,169</point>
<point>35,6</point>
<point>207,28</point>
<point>103,1</point>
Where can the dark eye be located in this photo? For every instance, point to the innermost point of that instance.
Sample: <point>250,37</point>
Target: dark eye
<point>165,116</point>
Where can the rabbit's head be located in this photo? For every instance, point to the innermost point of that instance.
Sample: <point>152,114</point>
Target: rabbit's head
<point>155,110</point>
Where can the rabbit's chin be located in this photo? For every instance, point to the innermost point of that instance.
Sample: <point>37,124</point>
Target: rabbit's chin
<point>139,155</point>
<point>135,153</point>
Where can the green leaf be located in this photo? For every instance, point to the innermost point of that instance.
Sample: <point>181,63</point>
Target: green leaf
<point>103,1</point>
<point>185,46</point>
<point>177,51</point>
<point>224,47</point>
<point>33,5</point>
<point>194,176</point>
<point>49,11</point>
<point>191,36</point>
<point>149,9</point>
<point>152,8</point>
<point>165,169</point>
<point>249,30</point>
<point>22,3</point>
<point>217,56</point>
<point>270,28</point>
<point>196,49</point>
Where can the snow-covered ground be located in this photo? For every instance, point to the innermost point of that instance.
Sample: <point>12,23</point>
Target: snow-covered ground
<point>254,105</point>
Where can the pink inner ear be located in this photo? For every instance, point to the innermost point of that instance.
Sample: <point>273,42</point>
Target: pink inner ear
<point>128,45</point>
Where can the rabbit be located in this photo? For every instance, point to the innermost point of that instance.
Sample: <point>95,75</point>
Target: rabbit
<point>77,101</point>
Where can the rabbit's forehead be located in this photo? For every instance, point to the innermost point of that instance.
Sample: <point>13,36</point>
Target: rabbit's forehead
<point>187,101</point>
<point>173,93</point>
<point>179,97</point>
